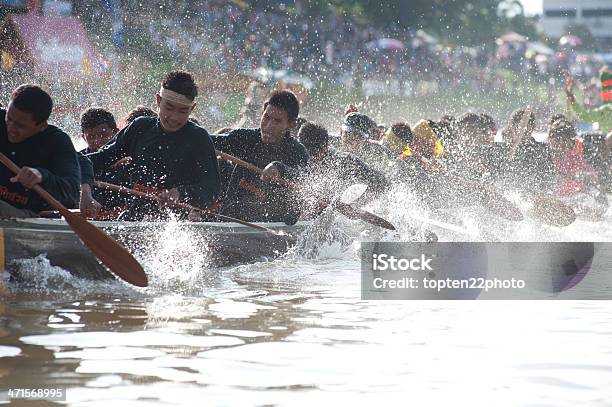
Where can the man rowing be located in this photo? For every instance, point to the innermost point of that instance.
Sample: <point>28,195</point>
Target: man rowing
<point>331,171</point>
<point>98,127</point>
<point>171,156</point>
<point>44,152</point>
<point>252,197</point>
<point>359,135</point>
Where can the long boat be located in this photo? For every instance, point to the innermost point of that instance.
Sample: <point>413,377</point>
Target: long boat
<point>224,243</point>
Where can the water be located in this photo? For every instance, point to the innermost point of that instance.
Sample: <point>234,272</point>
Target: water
<point>295,332</point>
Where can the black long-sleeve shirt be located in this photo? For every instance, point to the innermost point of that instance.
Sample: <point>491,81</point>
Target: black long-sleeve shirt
<point>184,159</point>
<point>339,170</point>
<point>117,175</point>
<point>246,195</point>
<point>52,153</point>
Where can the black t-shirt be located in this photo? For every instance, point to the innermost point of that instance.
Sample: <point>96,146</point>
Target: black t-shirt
<point>248,197</point>
<point>52,153</point>
<point>185,159</point>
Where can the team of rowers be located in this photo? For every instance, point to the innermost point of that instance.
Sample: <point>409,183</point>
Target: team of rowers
<point>453,161</point>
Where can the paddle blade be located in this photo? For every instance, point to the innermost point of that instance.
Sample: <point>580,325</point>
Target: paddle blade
<point>355,213</point>
<point>113,255</point>
<point>500,205</point>
<point>553,212</point>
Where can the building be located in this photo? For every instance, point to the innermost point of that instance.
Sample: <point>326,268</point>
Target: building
<point>595,14</point>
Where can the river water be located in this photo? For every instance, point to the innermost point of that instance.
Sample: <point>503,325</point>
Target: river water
<point>294,331</point>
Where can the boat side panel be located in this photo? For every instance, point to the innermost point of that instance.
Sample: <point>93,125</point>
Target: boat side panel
<point>64,250</point>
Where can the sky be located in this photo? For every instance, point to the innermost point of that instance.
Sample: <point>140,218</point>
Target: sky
<point>532,6</point>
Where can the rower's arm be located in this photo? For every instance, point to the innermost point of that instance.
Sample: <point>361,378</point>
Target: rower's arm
<point>297,163</point>
<point>87,171</point>
<point>230,143</point>
<point>359,172</point>
<point>113,151</point>
<point>206,191</point>
<point>63,178</point>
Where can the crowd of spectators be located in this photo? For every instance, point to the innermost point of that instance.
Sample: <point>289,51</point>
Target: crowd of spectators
<point>231,35</point>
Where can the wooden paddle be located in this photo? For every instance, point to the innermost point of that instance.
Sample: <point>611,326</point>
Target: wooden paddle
<point>345,209</point>
<point>551,211</point>
<point>152,197</point>
<point>108,251</point>
<point>489,198</point>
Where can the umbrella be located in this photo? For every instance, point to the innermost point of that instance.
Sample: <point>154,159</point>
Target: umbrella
<point>570,40</point>
<point>385,43</point>
<point>429,39</point>
<point>266,74</point>
<point>511,37</point>
<point>540,48</point>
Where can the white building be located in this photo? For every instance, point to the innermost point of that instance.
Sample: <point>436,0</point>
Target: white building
<point>595,14</point>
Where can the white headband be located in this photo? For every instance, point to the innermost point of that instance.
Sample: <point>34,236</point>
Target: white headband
<point>175,97</point>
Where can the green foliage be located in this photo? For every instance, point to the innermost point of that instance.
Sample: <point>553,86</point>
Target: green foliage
<point>464,22</point>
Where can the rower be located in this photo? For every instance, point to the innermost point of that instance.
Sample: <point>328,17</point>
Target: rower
<point>528,162</point>
<point>573,173</point>
<point>139,111</point>
<point>598,154</point>
<point>98,127</point>
<point>272,148</point>
<point>171,156</point>
<point>44,152</point>
<point>360,135</point>
<point>331,171</point>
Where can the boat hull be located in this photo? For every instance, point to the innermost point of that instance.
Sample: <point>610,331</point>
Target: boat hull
<point>225,243</point>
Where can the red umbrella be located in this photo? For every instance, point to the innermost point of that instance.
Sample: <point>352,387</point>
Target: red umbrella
<point>385,43</point>
<point>511,37</point>
<point>570,40</point>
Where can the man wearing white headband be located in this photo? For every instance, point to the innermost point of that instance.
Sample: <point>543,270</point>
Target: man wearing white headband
<point>172,157</point>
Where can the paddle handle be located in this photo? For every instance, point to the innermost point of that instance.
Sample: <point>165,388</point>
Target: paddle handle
<point>343,208</point>
<point>240,162</point>
<point>522,128</point>
<point>47,197</point>
<point>182,205</point>
<point>106,249</point>
<point>251,167</point>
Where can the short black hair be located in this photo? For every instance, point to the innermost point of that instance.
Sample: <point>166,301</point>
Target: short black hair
<point>181,82</point>
<point>139,111</point>
<point>286,100</point>
<point>562,129</point>
<point>517,116</point>
<point>95,116</point>
<point>555,117</point>
<point>473,119</point>
<point>313,136</point>
<point>447,118</point>
<point>403,131</point>
<point>33,99</point>
<point>488,120</point>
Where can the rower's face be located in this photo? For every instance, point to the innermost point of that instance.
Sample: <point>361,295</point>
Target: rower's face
<point>274,125</point>
<point>21,125</point>
<point>97,136</point>
<point>173,116</point>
